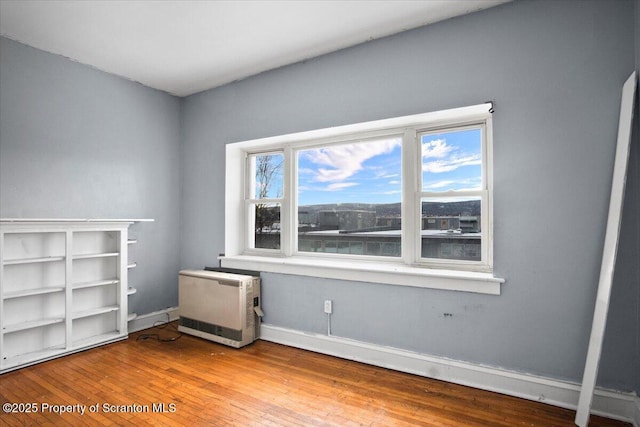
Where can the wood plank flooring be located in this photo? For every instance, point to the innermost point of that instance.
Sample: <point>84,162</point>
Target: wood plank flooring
<point>193,382</point>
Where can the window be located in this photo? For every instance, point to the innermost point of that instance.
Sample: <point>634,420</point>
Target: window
<point>349,193</point>
<point>264,200</point>
<point>453,193</point>
<point>403,201</point>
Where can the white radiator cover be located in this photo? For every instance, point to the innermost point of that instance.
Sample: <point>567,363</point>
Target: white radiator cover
<point>220,307</point>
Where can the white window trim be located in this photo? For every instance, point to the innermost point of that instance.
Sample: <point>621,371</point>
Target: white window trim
<point>404,271</point>
<point>251,201</point>
<point>485,193</point>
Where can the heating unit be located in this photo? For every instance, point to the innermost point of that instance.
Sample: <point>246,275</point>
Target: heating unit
<point>220,307</point>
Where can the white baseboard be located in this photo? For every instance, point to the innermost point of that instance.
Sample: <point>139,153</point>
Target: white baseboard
<point>150,320</point>
<point>607,403</point>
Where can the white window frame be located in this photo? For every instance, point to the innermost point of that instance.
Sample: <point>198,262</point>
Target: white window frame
<point>251,202</point>
<point>321,143</point>
<point>410,269</point>
<point>485,194</point>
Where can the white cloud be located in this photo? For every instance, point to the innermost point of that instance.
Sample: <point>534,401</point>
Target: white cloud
<point>306,171</point>
<point>343,161</point>
<point>340,185</point>
<point>439,184</point>
<point>469,184</point>
<point>435,149</point>
<point>447,157</point>
<point>390,192</point>
<point>453,163</point>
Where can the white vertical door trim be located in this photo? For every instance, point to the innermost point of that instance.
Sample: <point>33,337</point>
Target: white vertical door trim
<point>609,253</point>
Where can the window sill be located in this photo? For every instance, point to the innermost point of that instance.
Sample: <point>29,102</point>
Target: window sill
<point>373,272</point>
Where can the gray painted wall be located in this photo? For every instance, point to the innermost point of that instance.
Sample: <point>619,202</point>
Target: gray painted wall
<point>635,190</point>
<point>76,142</point>
<point>555,70</point>
<point>79,143</point>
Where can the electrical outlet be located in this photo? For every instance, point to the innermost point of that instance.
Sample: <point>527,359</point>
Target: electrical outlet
<point>328,307</point>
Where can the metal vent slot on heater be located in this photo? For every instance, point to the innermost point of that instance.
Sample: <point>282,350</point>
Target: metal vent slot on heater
<point>218,330</point>
<point>220,307</point>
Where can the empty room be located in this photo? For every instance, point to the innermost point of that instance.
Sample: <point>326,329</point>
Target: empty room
<point>331,213</point>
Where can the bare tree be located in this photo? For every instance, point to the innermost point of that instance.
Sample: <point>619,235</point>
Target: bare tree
<point>268,170</point>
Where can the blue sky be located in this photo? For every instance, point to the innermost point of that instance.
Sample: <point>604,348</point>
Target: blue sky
<point>361,172</point>
<point>370,171</point>
<point>452,161</point>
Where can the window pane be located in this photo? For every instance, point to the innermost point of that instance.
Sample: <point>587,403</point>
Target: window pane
<point>356,248</point>
<point>349,195</point>
<point>452,160</point>
<point>267,172</point>
<point>266,225</point>
<point>451,229</point>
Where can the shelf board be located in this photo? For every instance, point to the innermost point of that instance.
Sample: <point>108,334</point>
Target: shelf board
<point>98,339</point>
<point>22,326</point>
<point>99,255</point>
<point>94,283</point>
<point>30,292</point>
<point>47,255</point>
<point>94,311</point>
<point>132,265</point>
<point>32,260</point>
<point>66,220</point>
<point>34,356</point>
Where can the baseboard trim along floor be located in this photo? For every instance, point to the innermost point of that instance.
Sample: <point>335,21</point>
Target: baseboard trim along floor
<point>607,403</point>
<point>156,318</point>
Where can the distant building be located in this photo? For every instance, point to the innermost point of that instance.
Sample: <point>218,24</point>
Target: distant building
<point>438,244</point>
<point>441,223</point>
<point>383,243</point>
<point>469,224</point>
<point>361,232</point>
<point>389,221</point>
<point>346,220</point>
<point>304,218</point>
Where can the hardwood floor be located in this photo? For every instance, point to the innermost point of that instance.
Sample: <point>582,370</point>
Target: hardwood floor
<point>200,383</point>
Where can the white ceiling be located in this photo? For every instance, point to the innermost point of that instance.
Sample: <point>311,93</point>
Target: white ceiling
<point>184,47</point>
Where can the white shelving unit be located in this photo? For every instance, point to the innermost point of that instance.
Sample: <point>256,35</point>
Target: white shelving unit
<point>63,287</point>
<point>131,290</point>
